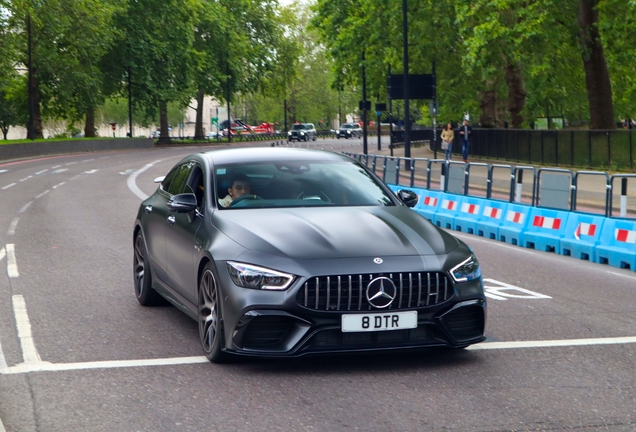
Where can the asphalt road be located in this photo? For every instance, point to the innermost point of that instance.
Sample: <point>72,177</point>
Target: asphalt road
<point>78,353</point>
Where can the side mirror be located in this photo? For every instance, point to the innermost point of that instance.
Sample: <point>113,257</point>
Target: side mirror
<point>182,203</point>
<point>408,197</point>
<point>159,179</point>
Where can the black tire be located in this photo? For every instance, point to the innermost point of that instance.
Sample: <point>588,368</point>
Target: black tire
<point>142,277</point>
<point>315,138</point>
<point>210,317</point>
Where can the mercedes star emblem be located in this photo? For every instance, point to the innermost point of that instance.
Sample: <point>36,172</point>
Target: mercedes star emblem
<point>381,292</point>
<point>378,260</point>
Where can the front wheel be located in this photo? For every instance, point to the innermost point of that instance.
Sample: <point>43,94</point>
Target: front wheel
<point>145,293</point>
<point>210,318</point>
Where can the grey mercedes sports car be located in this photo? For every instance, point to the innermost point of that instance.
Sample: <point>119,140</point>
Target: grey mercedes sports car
<point>288,252</point>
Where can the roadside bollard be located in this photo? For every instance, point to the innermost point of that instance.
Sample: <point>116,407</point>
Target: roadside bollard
<point>442,177</point>
<point>519,186</point>
<point>624,197</point>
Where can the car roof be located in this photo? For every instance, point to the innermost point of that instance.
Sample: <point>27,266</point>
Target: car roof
<point>270,154</point>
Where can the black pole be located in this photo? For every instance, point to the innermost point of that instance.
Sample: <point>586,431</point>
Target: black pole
<point>31,130</point>
<point>285,109</point>
<point>365,149</point>
<point>434,112</point>
<point>379,132</point>
<point>130,127</point>
<point>407,125</point>
<point>390,119</point>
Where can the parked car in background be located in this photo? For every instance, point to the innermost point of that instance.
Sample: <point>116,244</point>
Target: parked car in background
<point>302,132</point>
<point>349,130</point>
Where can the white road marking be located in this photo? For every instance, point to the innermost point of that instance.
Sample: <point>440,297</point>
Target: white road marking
<point>621,275</point>
<point>56,367</point>
<point>40,172</point>
<point>75,177</point>
<point>502,291</point>
<point>61,170</point>
<point>42,194</point>
<point>1,171</point>
<point>58,185</point>
<point>132,180</point>
<point>91,171</point>
<point>56,166</point>
<point>492,242</point>
<point>13,226</point>
<point>24,207</point>
<point>8,186</point>
<point>88,160</point>
<point>12,264</point>
<point>128,171</point>
<point>554,343</point>
<point>29,352</point>
<point>26,178</point>
<point>3,361</point>
<point>3,253</point>
<point>70,163</point>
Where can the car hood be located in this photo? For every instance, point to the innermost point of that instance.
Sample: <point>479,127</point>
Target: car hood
<point>326,233</point>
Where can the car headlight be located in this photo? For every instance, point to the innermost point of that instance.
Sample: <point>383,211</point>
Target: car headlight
<point>302,133</point>
<point>289,133</point>
<point>468,270</point>
<point>348,132</point>
<point>254,277</point>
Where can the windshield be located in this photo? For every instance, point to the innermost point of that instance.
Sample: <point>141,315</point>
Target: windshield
<point>298,184</point>
<point>346,126</point>
<point>298,127</point>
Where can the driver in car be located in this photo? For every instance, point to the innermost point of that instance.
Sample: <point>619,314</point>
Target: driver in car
<point>239,186</point>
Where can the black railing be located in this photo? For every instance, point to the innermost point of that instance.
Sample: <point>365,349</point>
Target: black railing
<point>610,149</point>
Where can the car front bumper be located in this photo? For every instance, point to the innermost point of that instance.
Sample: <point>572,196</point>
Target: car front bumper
<point>277,323</point>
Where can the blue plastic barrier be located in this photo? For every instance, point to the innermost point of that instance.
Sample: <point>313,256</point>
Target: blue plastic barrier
<point>492,216</point>
<point>617,246</point>
<point>468,214</point>
<point>514,224</point>
<point>545,228</point>
<point>428,203</point>
<point>447,210</point>
<point>581,236</point>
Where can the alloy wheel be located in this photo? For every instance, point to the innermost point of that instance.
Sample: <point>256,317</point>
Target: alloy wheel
<point>208,312</point>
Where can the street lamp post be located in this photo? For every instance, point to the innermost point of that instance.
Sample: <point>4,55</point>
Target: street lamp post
<point>31,129</point>
<point>407,125</point>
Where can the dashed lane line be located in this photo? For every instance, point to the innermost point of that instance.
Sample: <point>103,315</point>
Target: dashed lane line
<point>8,186</point>
<point>29,352</point>
<point>40,172</point>
<point>3,171</point>
<point>12,265</point>
<point>42,194</point>
<point>25,207</point>
<point>26,178</point>
<point>61,170</point>
<point>13,226</point>
<point>58,185</point>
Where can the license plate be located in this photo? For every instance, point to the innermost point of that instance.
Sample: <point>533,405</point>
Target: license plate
<point>379,322</point>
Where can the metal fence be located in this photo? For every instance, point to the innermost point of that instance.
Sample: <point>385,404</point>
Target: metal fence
<point>611,149</point>
<point>593,192</point>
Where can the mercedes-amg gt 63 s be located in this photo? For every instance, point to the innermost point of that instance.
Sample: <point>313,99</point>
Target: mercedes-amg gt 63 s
<point>289,252</point>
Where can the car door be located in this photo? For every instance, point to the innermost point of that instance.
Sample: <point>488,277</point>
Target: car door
<point>155,225</point>
<point>181,245</point>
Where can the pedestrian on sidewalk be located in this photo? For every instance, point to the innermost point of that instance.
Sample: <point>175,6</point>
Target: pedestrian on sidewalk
<point>465,131</point>
<point>448,135</point>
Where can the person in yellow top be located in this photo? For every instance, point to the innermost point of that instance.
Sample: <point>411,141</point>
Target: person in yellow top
<point>448,135</point>
<point>239,186</point>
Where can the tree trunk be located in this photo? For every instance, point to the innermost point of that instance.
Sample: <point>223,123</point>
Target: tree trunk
<point>37,113</point>
<point>597,79</point>
<point>164,136</point>
<point>488,106</point>
<point>5,131</point>
<point>198,128</point>
<point>89,126</point>
<point>516,94</point>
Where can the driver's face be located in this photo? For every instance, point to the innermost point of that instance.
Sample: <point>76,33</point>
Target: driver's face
<point>239,188</point>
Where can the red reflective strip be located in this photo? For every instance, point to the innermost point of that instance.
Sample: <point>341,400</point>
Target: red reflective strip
<point>556,224</point>
<point>538,221</point>
<point>517,217</point>
<point>621,235</point>
<point>592,230</point>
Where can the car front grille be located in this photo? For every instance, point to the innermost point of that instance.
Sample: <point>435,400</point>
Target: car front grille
<point>348,292</point>
<point>465,323</point>
<point>337,339</point>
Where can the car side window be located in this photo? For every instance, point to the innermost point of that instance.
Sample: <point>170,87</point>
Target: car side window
<point>178,181</point>
<point>195,183</point>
